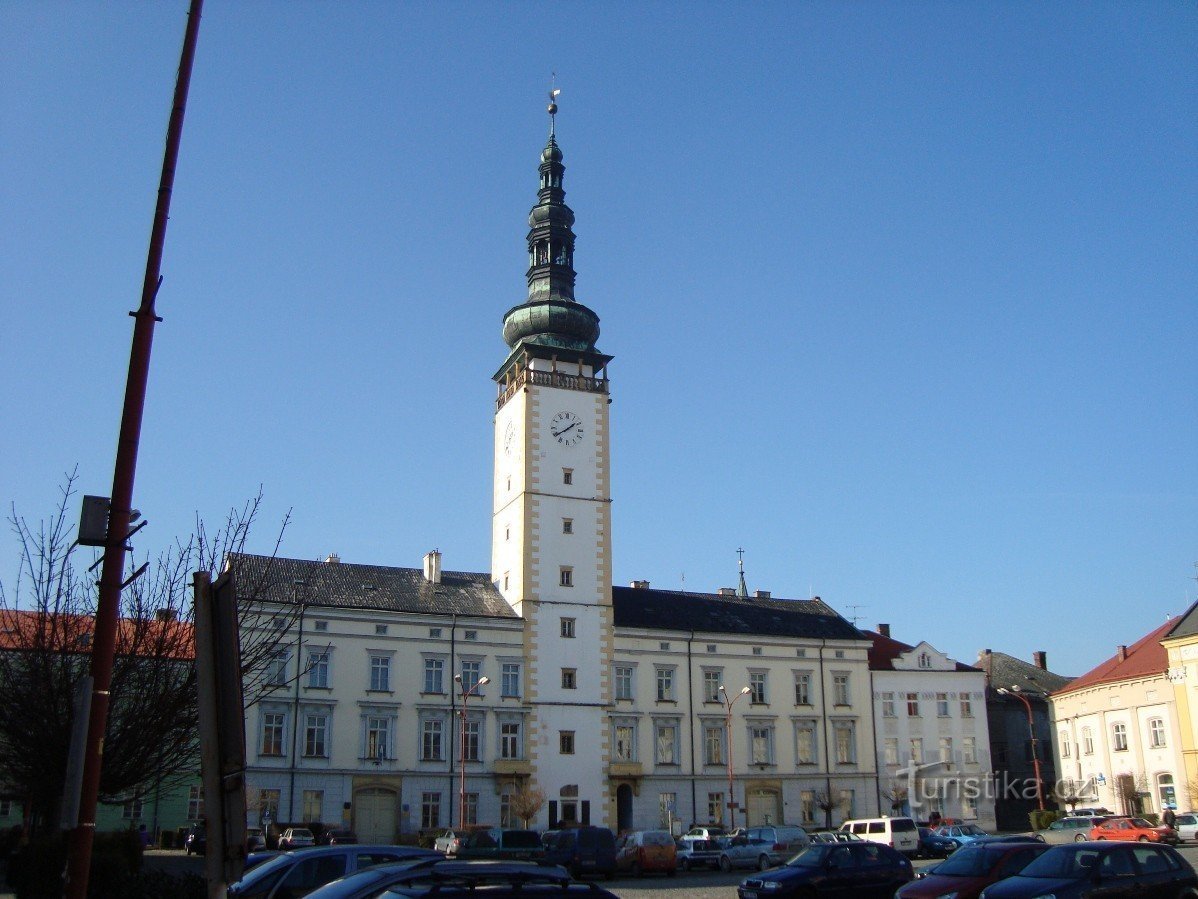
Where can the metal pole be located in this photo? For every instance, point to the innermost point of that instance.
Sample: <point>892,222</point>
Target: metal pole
<point>466,694</point>
<point>728,703</point>
<point>1031,729</point>
<point>299,643</point>
<point>108,608</point>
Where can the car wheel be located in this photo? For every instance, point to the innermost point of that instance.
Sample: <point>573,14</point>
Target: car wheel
<point>1144,839</point>
<point>1080,838</point>
<point>725,864</point>
<point>763,863</point>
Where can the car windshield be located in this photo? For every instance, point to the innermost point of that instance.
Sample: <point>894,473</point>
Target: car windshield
<point>969,862</point>
<point>1140,822</point>
<point>300,832</point>
<point>898,825</point>
<point>1063,861</point>
<point>811,857</point>
<point>265,871</point>
<point>973,830</point>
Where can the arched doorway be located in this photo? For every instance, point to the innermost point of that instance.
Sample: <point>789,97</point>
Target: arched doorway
<point>374,815</point>
<point>623,808</point>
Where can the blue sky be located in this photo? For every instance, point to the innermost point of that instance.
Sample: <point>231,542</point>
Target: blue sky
<point>902,296</point>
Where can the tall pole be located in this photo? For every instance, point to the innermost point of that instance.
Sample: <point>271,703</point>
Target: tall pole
<point>728,703</point>
<point>466,694</point>
<point>108,606</point>
<point>1031,729</point>
<point>295,706</point>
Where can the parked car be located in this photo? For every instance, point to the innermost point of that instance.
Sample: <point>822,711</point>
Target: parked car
<point>898,833</point>
<point>450,841</point>
<point>1070,829</point>
<point>1132,829</point>
<point>452,879</point>
<point>971,869</point>
<point>368,883</point>
<point>697,852</point>
<point>255,839</point>
<point>744,851</point>
<point>1095,811</point>
<point>196,841</point>
<point>861,870</point>
<point>1186,826</point>
<point>496,843</point>
<point>296,838</point>
<point>933,845</point>
<point>299,871</point>
<point>832,836</point>
<point>1085,870</point>
<point>1009,838</point>
<point>785,839</point>
<point>962,834</point>
<point>336,837</point>
<point>645,851</point>
<point>707,831</point>
<point>581,850</point>
<point>254,859</point>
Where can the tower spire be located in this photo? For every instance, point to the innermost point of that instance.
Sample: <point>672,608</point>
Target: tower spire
<point>553,92</point>
<point>742,589</point>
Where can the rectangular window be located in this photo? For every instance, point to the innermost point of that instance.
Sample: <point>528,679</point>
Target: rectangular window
<point>509,679</point>
<point>846,743</point>
<point>434,675</point>
<point>316,731</point>
<point>380,629</point>
<point>761,745</point>
<point>1065,747</point>
<point>807,806</point>
<point>566,578</point>
<point>567,525</point>
<point>276,668</point>
<point>667,744</point>
<point>969,750</point>
<point>380,673</point>
<point>1156,732</point>
<point>667,805</point>
<point>966,706</point>
<point>321,625</point>
<point>890,751</point>
<point>840,689</point>
<point>506,818</point>
<point>665,684</point>
<point>195,803</point>
<point>268,804</point>
<point>711,685</point>
<point>434,633</point>
<point>946,749</point>
<point>472,670</point>
<point>132,809</point>
<point>713,745</point>
<point>470,808</point>
<point>378,745</point>
<point>912,705</point>
<point>313,805</point>
<point>430,810</point>
<point>565,742</point>
<point>568,628</point>
<point>917,751</point>
<point>470,740</point>
<point>510,744</point>
<point>272,733</point>
<point>888,705</point>
<point>431,740</point>
<point>567,475</point>
<point>569,678</point>
<point>1119,738</point>
<point>623,679</point>
<point>942,705</point>
<point>318,670</point>
<point>715,806</point>
<point>1087,741</point>
<point>625,743</point>
<point>802,689</point>
<point>805,745</point>
<point>757,687</point>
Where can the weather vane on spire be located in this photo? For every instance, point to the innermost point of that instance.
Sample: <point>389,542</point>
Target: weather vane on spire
<point>553,92</point>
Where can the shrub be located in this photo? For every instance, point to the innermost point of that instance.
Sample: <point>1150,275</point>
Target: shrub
<point>1041,818</point>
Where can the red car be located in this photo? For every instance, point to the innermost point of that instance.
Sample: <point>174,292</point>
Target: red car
<point>968,870</point>
<point>1132,829</point>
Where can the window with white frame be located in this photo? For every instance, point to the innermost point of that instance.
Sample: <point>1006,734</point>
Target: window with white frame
<point>377,737</point>
<point>757,684</point>
<point>430,810</point>
<point>380,673</point>
<point>969,750</point>
<point>890,751</point>
<point>1087,741</point>
<point>807,806</point>
<point>942,705</point>
<point>1119,737</point>
<point>316,738</point>
<point>622,675</point>
<point>472,670</point>
<point>132,809</point>
<point>712,678</point>
<point>1063,739</point>
<point>470,808</point>
<point>506,818</point>
<point>272,733</point>
<point>432,740</point>
<point>966,706</point>
<point>845,735</point>
<point>925,660</point>
<point>917,750</point>
<point>1156,732</point>
<point>888,705</point>
<point>472,739</point>
<point>313,805</point>
<point>195,803</point>
<point>665,683</point>
<point>566,576</point>
<point>434,675</point>
<point>912,705</point>
<point>569,678</point>
<point>802,688</point>
<point>511,740</point>
<point>806,751</point>
<point>761,744</point>
<point>946,749</point>
<point>840,689</point>
<point>509,679</point>
<point>318,669</point>
<point>713,744</point>
<point>624,741</point>
<point>715,806</point>
<point>666,743</point>
<point>567,628</point>
<point>276,668</point>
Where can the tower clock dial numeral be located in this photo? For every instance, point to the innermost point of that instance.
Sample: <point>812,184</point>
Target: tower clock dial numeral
<point>566,428</point>
<point>509,437</point>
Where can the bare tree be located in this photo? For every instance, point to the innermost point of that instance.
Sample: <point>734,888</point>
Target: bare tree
<point>827,803</point>
<point>527,802</point>
<point>896,796</point>
<point>46,627</point>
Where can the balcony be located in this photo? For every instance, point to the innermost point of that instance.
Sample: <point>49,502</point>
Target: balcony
<point>624,769</point>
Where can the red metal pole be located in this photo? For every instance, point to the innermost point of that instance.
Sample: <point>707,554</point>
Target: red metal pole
<point>1031,728</point>
<point>108,608</point>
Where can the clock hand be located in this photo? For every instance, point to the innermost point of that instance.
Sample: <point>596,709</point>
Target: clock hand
<point>563,430</point>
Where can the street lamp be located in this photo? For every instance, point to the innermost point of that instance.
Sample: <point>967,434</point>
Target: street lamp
<point>728,703</point>
<point>466,694</point>
<point>1031,729</point>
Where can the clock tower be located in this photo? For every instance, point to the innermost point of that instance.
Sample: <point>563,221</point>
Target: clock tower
<point>551,519</point>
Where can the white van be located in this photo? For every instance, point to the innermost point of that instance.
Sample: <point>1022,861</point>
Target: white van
<point>898,833</point>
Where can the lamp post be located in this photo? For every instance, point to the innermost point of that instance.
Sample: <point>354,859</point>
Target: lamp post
<point>466,694</point>
<point>1031,729</point>
<point>728,703</point>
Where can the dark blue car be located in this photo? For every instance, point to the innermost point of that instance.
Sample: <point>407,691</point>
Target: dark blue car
<point>933,845</point>
<point>1106,869</point>
<point>860,870</point>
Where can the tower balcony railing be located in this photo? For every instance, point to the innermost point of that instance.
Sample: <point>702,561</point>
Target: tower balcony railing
<point>549,379</point>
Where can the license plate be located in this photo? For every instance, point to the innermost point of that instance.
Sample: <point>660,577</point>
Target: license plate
<point>749,894</point>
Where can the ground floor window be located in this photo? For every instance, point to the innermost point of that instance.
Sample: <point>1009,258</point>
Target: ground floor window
<point>132,809</point>
<point>430,810</point>
<point>471,808</point>
<point>313,805</point>
<point>807,806</point>
<point>195,804</point>
<point>1166,791</point>
<point>505,809</point>
<point>715,806</point>
<point>268,806</point>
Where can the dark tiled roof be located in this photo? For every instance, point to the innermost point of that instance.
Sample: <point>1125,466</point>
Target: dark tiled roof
<point>1003,670</point>
<point>885,650</point>
<point>1185,625</point>
<point>374,587</point>
<point>1143,658</point>
<point>712,613</point>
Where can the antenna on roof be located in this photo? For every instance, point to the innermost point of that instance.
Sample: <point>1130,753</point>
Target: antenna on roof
<point>854,617</point>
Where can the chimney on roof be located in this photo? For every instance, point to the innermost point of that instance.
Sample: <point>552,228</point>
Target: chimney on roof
<point>762,594</point>
<point>1040,659</point>
<point>1121,651</point>
<point>639,585</point>
<point>726,591</point>
<point>884,630</point>
<point>333,559</point>
<point>432,566</point>
<point>164,615</point>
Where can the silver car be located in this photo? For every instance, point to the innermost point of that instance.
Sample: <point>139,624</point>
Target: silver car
<point>1186,826</point>
<point>1071,829</point>
<point>743,851</point>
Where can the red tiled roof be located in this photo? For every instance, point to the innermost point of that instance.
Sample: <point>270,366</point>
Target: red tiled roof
<point>1144,658</point>
<point>24,630</point>
<point>884,650</point>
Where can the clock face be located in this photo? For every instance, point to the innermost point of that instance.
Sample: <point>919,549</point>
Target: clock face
<point>566,428</point>
<point>509,437</point>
